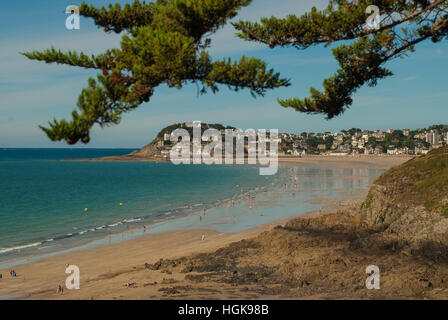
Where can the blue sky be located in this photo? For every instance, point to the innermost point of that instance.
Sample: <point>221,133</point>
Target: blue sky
<point>31,92</point>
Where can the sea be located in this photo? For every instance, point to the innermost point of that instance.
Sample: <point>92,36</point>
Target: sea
<point>49,206</point>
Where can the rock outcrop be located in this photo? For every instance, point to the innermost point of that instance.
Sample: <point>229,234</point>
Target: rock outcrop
<point>411,200</point>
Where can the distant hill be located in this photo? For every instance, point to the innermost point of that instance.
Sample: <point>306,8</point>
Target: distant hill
<point>189,128</point>
<point>411,200</point>
<point>160,146</point>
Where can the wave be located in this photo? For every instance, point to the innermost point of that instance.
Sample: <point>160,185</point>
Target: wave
<point>5,250</point>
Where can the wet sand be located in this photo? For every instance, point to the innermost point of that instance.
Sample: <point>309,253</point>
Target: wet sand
<point>349,161</point>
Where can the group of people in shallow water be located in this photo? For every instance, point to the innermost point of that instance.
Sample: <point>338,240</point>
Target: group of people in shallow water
<point>250,200</point>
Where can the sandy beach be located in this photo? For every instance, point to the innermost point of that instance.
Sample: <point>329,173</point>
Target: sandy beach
<point>346,161</point>
<point>349,161</point>
<point>168,265</point>
<point>106,270</point>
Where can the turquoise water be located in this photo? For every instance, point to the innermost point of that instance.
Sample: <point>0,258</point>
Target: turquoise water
<point>43,200</point>
<point>49,206</point>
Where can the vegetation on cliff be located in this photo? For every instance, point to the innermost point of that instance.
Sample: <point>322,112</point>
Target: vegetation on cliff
<point>189,128</point>
<point>412,199</point>
<point>162,143</point>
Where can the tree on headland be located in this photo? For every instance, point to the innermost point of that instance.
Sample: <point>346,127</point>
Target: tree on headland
<point>164,42</point>
<point>363,53</point>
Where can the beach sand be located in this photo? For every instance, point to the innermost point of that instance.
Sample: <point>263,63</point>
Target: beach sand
<point>319,255</point>
<point>349,161</point>
<point>346,161</point>
<point>105,270</point>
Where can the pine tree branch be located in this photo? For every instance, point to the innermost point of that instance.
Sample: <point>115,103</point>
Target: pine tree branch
<point>247,73</point>
<point>164,45</point>
<point>405,24</point>
<point>71,58</point>
<point>117,18</point>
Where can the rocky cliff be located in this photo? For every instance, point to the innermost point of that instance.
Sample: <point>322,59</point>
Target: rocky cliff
<point>411,200</point>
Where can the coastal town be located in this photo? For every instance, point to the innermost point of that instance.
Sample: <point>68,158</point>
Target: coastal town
<point>357,141</point>
<point>354,141</point>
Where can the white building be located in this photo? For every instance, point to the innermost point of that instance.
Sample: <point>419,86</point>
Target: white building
<point>432,137</point>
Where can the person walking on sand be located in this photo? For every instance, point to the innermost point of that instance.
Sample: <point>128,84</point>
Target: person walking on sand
<point>60,290</point>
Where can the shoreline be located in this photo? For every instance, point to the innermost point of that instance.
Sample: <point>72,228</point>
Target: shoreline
<point>317,255</point>
<point>45,245</point>
<point>106,268</point>
<point>39,279</point>
<point>281,159</point>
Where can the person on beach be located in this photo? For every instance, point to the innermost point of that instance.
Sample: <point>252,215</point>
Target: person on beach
<point>200,218</point>
<point>60,290</point>
<point>203,237</point>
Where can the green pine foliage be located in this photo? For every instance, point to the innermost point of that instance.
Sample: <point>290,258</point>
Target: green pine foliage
<point>363,53</point>
<point>163,42</point>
